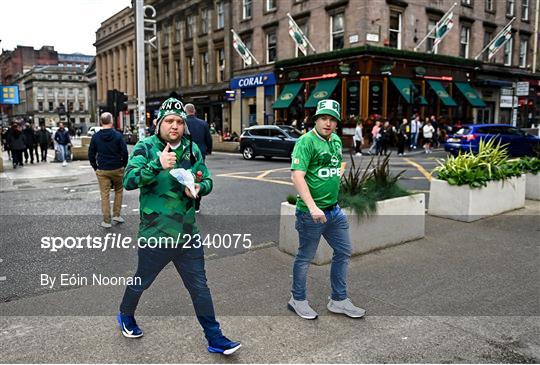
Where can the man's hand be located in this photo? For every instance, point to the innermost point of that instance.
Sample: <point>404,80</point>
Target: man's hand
<point>317,215</point>
<point>188,192</point>
<point>167,158</point>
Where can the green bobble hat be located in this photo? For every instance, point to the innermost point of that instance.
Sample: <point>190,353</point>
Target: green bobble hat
<point>328,107</point>
<point>171,106</point>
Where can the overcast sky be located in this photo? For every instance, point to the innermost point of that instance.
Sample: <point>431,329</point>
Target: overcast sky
<point>68,25</point>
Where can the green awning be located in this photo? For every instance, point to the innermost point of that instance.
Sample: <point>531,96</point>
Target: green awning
<point>323,90</point>
<point>442,93</point>
<point>404,86</point>
<point>287,95</point>
<point>470,94</point>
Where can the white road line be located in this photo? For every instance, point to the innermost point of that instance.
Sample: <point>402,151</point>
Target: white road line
<point>2,278</point>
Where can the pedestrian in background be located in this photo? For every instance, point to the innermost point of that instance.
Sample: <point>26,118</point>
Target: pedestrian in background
<point>415,126</point>
<point>16,144</point>
<point>63,141</point>
<point>376,136</point>
<point>402,137</point>
<point>200,134</point>
<point>5,134</point>
<point>43,137</point>
<point>29,141</point>
<point>108,156</point>
<point>429,133</point>
<point>358,138</point>
<point>316,166</point>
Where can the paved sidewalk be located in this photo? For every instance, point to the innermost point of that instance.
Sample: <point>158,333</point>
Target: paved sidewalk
<point>466,293</point>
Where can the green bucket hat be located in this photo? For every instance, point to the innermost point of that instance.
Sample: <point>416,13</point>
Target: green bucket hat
<point>329,107</point>
<point>171,106</point>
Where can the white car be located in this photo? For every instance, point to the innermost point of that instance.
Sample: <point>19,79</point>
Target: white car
<point>93,130</point>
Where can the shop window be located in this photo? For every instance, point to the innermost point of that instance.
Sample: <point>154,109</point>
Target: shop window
<point>270,5</point>
<point>394,36</point>
<point>488,37</point>
<point>375,97</point>
<point>508,52</point>
<point>468,3</point>
<point>40,106</point>
<point>337,31</point>
<point>190,63</point>
<point>204,67</point>
<point>353,98</point>
<point>51,106</point>
<point>271,47</point>
<point>204,21</point>
<point>490,6</point>
<point>177,27</point>
<point>190,20</point>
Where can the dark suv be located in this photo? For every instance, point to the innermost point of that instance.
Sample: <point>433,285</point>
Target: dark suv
<point>268,141</point>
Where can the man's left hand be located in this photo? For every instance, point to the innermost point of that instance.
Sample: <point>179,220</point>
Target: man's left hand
<point>188,192</point>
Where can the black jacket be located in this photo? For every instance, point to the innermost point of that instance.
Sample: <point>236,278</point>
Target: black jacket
<point>62,136</point>
<point>16,141</point>
<point>200,134</point>
<point>29,136</point>
<point>43,136</point>
<point>108,150</point>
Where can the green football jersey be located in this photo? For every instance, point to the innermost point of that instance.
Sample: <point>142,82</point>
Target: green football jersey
<point>321,160</point>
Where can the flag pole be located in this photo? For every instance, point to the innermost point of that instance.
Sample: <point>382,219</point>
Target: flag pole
<point>435,27</point>
<point>303,35</point>
<point>494,38</point>
<point>247,49</point>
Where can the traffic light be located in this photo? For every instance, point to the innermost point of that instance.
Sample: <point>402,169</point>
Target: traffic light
<point>121,101</point>
<point>110,101</point>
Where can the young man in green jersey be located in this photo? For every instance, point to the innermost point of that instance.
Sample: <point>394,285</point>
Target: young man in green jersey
<point>316,173</point>
<point>167,209</point>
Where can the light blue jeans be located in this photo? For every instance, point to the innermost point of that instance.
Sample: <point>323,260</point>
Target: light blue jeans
<point>63,149</point>
<point>336,233</point>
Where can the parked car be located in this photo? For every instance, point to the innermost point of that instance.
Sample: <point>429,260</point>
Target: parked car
<point>468,138</point>
<point>93,130</point>
<point>268,141</point>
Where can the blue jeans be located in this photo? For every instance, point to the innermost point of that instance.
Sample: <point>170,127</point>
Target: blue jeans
<point>63,149</point>
<point>190,265</point>
<point>336,233</point>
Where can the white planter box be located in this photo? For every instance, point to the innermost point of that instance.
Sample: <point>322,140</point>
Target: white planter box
<point>532,187</point>
<point>465,204</point>
<point>396,221</point>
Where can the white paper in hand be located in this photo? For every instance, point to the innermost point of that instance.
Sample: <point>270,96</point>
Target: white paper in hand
<point>185,177</point>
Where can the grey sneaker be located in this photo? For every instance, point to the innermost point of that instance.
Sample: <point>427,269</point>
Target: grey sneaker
<point>345,307</point>
<point>302,308</point>
<point>106,225</point>
<point>118,219</point>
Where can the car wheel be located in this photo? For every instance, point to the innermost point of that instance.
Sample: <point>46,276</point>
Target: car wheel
<point>248,153</point>
<point>267,157</point>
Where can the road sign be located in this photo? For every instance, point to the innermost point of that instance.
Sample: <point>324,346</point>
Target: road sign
<point>522,88</point>
<point>9,95</point>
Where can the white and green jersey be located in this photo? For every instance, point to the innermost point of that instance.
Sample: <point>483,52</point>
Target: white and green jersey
<point>321,160</point>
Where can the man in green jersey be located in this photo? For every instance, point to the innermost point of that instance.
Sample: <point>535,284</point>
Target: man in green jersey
<point>316,173</point>
<point>167,209</point>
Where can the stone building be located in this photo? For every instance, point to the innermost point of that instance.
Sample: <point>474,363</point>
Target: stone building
<point>45,89</point>
<point>115,62</point>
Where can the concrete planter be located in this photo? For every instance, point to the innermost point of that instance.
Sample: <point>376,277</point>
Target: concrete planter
<point>220,146</point>
<point>465,204</point>
<point>532,186</point>
<point>396,221</point>
<point>79,153</point>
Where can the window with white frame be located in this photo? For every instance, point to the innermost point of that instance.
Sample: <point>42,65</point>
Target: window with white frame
<point>464,41</point>
<point>525,10</point>
<point>466,2</point>
<point>220,18</point>
<point>523,49</point>
<point>488,37</point>
<point>204,67</point>
<point>189,26</point>
<point>246,9</point>
<point>220,54</point>
<point>510,7</point>
<point>270,5</point>
<point>394,29</point>
<point>508,52</point>
<point>271,47</point>
<point>489,5</point>
<point>204,21</point>
<point>337,31</point>
<point>430,42</point>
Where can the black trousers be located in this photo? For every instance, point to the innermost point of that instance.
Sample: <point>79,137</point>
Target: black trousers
<point>44,147</point>
<point>17,157</point>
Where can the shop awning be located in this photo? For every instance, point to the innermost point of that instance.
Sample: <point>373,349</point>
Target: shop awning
<point>323,90</point>
<point>287,95</point>
<point>470,94</point>
<point>441,92</point>
<point>404,86</point>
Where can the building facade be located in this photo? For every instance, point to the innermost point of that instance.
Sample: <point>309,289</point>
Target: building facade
<point>52,94</point>
<point>115,63</point>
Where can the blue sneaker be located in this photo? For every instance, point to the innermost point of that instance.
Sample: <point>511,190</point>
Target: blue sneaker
<point>128,326</point>
<point>222,345</point>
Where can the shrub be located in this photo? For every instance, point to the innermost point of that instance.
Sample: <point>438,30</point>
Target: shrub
<point>528,165</point>
<point>291,199</point>
<point>490,164</point>
<point>361,189</point>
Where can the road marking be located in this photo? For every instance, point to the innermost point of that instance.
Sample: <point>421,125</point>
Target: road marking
<point>226,153</point>
<point>420,168</point>
<point>210,255</point>
<point>2,278</point>
<point>263,180</point>
<point>261,177</point>
<point>420,191</point>
<point>262,245</point>
<point>267,172</point>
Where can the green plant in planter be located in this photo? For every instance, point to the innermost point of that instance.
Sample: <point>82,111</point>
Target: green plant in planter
<point>490,164</point>
<point>528,165</point>
<point>291,199</point>
<point>361,189</point>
